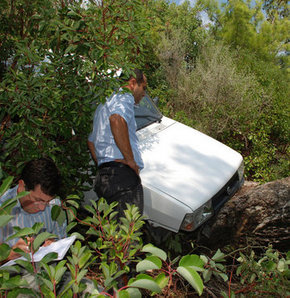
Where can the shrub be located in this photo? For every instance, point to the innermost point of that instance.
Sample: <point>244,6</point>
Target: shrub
<point>56,73</point>
<point>225,101</point>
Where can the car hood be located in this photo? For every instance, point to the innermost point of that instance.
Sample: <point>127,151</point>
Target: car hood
<point>185,163</point>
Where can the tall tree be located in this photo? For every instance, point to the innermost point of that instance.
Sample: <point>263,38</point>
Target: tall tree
<point>276,9</point>
<point>57,69</point>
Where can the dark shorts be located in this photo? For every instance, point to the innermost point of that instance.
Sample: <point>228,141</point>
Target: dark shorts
<point>116,181</point>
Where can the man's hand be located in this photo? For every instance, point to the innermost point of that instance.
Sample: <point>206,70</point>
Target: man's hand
<point>131,163</point>
<point>48,242</point>
<point>22,245</point>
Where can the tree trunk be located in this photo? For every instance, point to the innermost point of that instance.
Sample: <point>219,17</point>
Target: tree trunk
<point>257,215</point>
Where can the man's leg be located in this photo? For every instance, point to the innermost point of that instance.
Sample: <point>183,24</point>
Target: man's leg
<point>121,184</point>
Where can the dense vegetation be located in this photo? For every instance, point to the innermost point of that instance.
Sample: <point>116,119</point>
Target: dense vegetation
<point>110,259</point>
<point>228,77</point>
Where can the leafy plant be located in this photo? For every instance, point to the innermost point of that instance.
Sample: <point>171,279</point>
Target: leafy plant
<point>115,243</point>
<point>57,69</point>
<point>267,276</point>
<point>117,246</point>
<point>214,266</point>
<point>120,265</point>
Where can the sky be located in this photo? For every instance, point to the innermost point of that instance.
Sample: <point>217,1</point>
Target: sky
<point>181,1</point>
<point>204,16</point>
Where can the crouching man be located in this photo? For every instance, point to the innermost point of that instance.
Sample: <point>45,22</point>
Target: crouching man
<point>42,179</point>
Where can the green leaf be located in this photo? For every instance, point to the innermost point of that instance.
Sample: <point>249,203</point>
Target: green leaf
<point>281,265</point>
<point>49,257</point>
<point>145,283</point>
<point>204,259</point>
<point>21,233</point>
<point>14,269</point>
<point>58,214</point>
<point>70,226</point>
<point>207,275</point>
<point>223,276</point>
<point>55,211</point>
<point>84,259</point>
<point>73,203</point>
<point>218,256</point>
<point>47,282</point>
<point>15,281</point>
<point>7,206</point>
<point>24,291</point>
<point>70,215</point>
<point>4,219</point>
<point>192,277</point>
<point>4,251</point>
<point>239,270</point>
<point>22,194</point>
<point>123,294</point>
<point>75,197</point>
<point>106,270</point>
<point>151,262</point>
<point>270,265</point>
<point>134,293</point>
<point>193,261</point>
<point>6,185</point>
<point>162,280</point>
<point>81,275</point>
<point>37,227</point>
<point>78,236</point>
<point>39,240</point>
<point>155,251</point>
<point>59,273</point>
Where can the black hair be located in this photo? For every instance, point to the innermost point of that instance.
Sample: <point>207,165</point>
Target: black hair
<point>43,172</point>
<point>137,74</point>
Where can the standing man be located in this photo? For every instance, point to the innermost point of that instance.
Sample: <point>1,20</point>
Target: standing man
<point>42,179</point>
<point>113,144</point>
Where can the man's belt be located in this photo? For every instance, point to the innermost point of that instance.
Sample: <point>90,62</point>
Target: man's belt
<point>111,164</point>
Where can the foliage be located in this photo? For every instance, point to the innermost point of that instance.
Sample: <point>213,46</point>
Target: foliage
<point>116,243</point>
<point>118,246</point>
<point>236,88</point>
<point>114,250</point>
<point>56,71</point>
<point>276,9</point>
<point>228,104</point>
<point>267,276</point>
<point>55,58</point>
<point>214,266</point>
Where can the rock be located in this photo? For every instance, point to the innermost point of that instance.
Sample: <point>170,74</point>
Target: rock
<point>257,214</point>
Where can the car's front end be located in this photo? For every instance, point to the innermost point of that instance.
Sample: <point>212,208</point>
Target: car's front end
<point>187,176</point>
<point>195,219</point>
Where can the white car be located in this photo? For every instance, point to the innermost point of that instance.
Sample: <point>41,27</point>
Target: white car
<point>187,175</point>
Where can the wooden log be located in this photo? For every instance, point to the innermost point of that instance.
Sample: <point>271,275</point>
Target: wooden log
<point>257,214</point>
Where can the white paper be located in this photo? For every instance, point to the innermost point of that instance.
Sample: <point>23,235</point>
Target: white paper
<point>60,247</point>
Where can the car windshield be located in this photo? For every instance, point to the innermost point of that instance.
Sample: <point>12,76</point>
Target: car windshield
<point>146,113</point>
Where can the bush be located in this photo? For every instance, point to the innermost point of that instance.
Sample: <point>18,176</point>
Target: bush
<point>56,73</point>
<point>227,102</point>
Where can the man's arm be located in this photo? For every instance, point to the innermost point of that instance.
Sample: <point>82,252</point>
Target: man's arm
<point>91,147</point>
<point>120,132</point>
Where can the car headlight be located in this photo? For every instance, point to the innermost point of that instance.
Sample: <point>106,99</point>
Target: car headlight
<point>193,220</point>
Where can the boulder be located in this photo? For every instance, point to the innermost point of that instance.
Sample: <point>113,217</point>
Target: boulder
<point>257,215</point>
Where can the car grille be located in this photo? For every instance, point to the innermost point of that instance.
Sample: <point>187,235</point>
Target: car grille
<point>231,187</point>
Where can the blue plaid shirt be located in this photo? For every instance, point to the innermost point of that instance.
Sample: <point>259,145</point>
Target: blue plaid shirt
<point>24,219</point>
